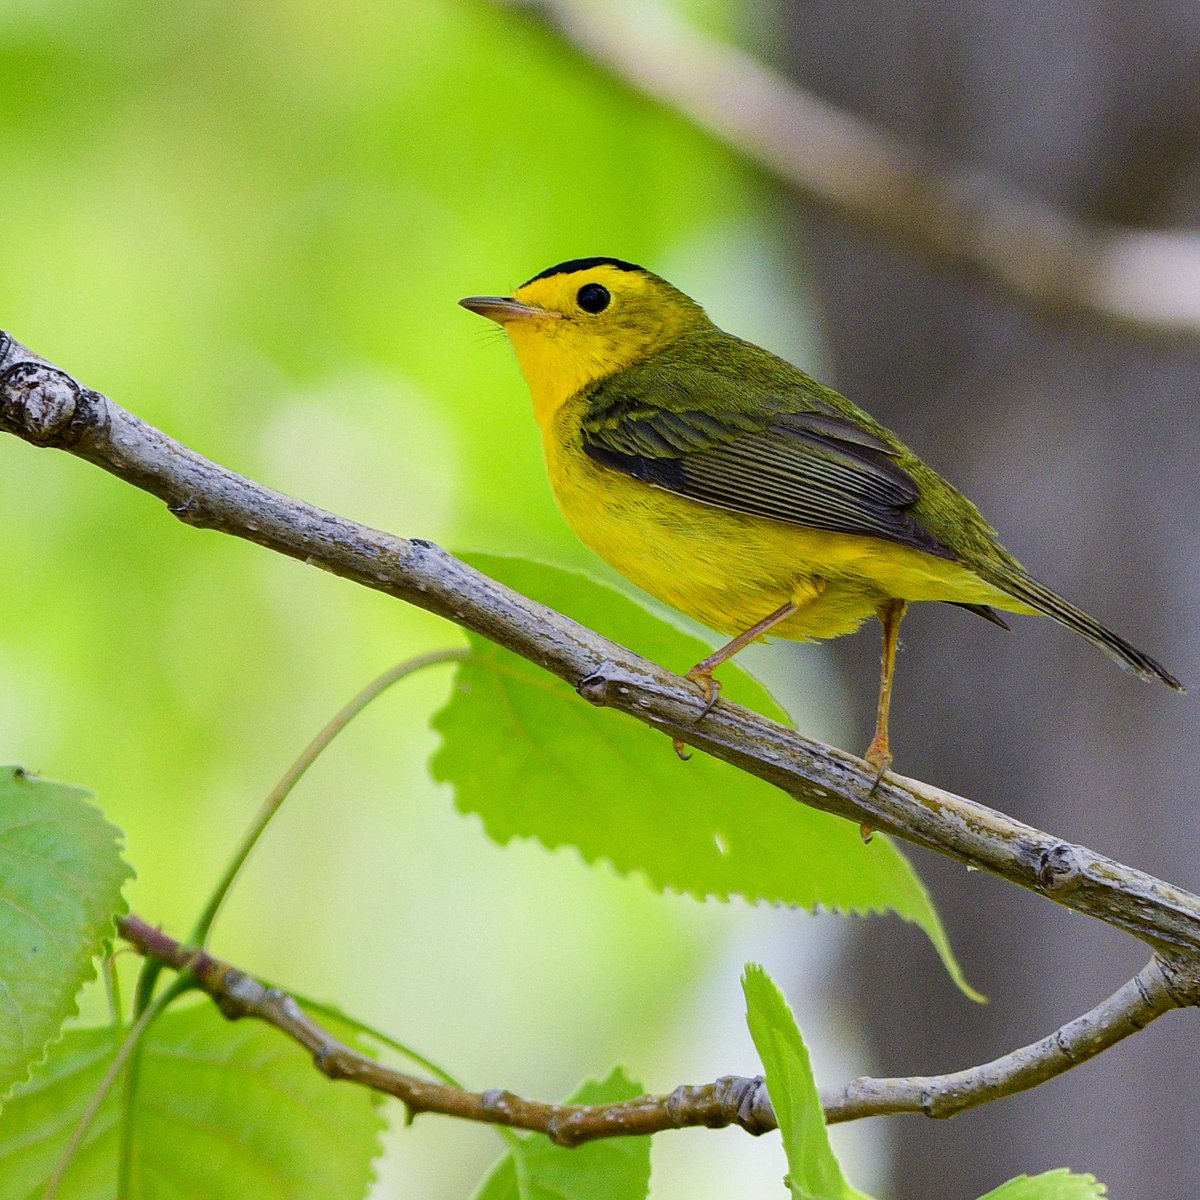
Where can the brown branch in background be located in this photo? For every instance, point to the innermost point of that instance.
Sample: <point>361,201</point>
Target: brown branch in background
<point>730,1100</point>
<point>46,407</point>
<point>1140,283</point>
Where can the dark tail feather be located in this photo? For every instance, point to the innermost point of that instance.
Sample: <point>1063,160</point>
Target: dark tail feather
<point>1019,585</point>
<point>986,611</point>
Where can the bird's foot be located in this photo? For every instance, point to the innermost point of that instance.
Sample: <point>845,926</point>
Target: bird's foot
<point>880,757</point>
<point>702,677</point>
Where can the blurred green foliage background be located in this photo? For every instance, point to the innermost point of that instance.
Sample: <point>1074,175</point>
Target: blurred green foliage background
<point>250,224</point>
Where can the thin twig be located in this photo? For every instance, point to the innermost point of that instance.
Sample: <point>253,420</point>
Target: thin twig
<point>1149,994</point>
<point>202,929</point>
<point>92,1110</point>
<point>44,406</point>
<point>1141,283</point>
<point>279,793</point>
<point>730,1100</point>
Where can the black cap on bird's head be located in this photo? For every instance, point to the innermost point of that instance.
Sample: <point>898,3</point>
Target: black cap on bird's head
<point>584,264</point>
<point>584,289</point>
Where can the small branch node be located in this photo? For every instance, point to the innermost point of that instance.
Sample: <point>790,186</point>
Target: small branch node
<point>1059,868</point>
<point>44,405</point>
<point>747,1100</point>
<point>603,685</point>
<point>239,994</point>
<point>1179,977</point>
<point>1064,1045</point>
<point>285,1004</point>
<point>678,1102</point>
<point>565,1129</point>
<point>330,1057</point>
<point>497,1105</point>
<point>328,1061</point>
<point>416,553</point>
<point>184,509</point>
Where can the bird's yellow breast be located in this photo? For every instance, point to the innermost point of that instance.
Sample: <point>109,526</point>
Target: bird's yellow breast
<point>729,570</point>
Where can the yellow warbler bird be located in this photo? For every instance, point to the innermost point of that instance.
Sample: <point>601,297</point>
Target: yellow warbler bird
<point>731,485</point>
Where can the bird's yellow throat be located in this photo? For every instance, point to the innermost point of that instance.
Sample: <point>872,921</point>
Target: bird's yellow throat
<point>568,349</point>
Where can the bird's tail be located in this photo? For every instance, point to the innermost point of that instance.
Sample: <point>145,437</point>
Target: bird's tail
<point>1016,583</point>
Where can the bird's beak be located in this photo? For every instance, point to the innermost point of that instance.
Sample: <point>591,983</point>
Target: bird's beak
<point>503,309</point>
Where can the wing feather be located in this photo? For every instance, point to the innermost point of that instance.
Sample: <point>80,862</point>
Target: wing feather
<point>813,468</point>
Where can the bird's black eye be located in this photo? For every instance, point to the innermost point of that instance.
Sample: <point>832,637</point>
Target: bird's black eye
<point>593,298</point>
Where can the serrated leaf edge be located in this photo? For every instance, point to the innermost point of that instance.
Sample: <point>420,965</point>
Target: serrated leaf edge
<point>89,970</point>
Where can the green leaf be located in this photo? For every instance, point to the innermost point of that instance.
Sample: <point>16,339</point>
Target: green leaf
<point>61,875</point>
<point>813,1171</point>
<point>501,1182</point>
<point>608,1169</point>
<point>223,1110</point>
<point>534,761</point>
<point>1060,1184</point>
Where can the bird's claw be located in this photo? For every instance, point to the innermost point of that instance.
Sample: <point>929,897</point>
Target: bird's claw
<point>704,680</point>
<point>880,757</point>
<point>709,686</point>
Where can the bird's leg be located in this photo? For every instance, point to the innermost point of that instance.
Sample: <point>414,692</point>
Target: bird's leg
<point>879,752</point>
<point>702,673</point>
<point>891,613</point>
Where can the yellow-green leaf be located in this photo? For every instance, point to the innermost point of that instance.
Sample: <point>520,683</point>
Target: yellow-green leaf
<point>223,1110</point>
<point>814,1173</point>
<point>61,875</point>
<point>534,761</point>
<point>1060,1184</point>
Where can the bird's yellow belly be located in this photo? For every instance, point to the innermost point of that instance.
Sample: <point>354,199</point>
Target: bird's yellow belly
<point>729,570</point>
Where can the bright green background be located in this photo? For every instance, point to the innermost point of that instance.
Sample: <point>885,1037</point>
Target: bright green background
<point>249,223</point>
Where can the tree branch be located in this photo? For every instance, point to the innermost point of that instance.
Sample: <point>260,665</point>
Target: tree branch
<point>46,407</point>
<point>1145,284</point>
<point>1149,994</point>
<point>730,1100</point>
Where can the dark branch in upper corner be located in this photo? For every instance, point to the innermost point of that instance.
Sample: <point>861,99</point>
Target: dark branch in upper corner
<point>1135,282</point>
<point>46,407</point>
<point>730,1100</point>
